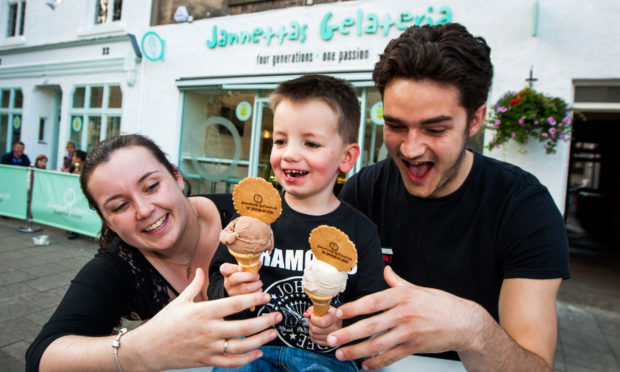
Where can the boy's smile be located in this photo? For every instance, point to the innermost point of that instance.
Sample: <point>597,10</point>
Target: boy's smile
<point>307,150</point>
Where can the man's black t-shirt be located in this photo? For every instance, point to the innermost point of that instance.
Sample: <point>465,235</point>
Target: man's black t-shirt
<point>501,223</point>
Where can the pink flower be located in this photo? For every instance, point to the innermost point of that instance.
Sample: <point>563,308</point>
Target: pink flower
<point>497,123</point>
<point>551,120</point>
<point>502,109</point>
<point>521,121</point>
<point>552,132</point>
<point>545,134</point>
<point>535,122</point>
<point>514,134</point>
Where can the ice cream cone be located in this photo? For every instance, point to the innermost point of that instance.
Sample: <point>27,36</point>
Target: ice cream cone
<point>248,261</point>
<point>320,303</point>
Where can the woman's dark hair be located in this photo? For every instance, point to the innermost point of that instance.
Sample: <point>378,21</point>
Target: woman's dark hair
<point>100,154</point>
<point>80,155</point>
<point>443,53</point>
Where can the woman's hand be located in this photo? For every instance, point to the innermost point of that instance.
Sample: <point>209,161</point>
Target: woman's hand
<point>190,334</point>
<point>237,282</point>
<point>321,326</point>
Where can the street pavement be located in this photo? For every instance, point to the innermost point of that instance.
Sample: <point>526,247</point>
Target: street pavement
<point>33,279</point>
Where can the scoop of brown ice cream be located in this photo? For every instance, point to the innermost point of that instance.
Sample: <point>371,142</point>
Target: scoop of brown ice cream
<point>247,235</point>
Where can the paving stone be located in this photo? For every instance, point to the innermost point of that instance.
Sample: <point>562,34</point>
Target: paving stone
<point>14,276</point>
<point>17,330</point>
<point>17,350</point>
<point>11,364</point>
<point>50,281</point>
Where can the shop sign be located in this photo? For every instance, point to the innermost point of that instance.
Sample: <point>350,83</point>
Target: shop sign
<point>359,24</point>
<point>153,46</point>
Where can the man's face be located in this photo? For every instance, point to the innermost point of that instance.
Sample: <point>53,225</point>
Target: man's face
<point>18,150</point>
<point>425,132</point>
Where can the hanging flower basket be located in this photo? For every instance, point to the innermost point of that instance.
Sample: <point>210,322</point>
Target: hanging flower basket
<point>527,114</point>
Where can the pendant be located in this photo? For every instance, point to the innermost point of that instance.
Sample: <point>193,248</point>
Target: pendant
<point>188,270</point>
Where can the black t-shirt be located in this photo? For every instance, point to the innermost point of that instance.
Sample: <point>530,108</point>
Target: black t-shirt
<point>501,223</point>
<point>118,283</point>
<point>282,270</point>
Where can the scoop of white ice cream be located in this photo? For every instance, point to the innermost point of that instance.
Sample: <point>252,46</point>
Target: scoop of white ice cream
<point>323,279</point>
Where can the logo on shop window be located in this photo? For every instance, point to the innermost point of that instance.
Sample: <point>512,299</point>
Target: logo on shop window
<point>243,110</point>
<point>76,124</point>
<point>17,122</point>
<point>376,113</point>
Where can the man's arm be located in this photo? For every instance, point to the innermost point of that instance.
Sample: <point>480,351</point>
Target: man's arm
<point>424,320</point>
<point>527,337</point>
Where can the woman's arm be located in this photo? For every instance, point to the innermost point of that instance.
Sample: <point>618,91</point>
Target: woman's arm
<point>184,334</point>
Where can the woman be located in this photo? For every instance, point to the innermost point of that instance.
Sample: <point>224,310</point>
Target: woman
<point>41,162</point>
<point>156,245</point>
<point>77,161</point>
<point>66,161</point>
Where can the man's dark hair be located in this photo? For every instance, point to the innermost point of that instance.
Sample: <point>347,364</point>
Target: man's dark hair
<point>443,53</point>
<point>336,93</point>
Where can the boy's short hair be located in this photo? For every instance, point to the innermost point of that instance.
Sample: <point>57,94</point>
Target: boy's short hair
<point>446,54</point>
<point>336,93</point>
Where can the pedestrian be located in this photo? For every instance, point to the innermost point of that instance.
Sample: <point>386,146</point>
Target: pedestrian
<point>41,162</point>
<point>16,156</point>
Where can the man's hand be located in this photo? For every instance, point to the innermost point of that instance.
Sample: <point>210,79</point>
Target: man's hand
<point>412,319</point>
<point>237,282</point>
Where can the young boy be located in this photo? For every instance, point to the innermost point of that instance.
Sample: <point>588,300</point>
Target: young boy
<point>315,125</point>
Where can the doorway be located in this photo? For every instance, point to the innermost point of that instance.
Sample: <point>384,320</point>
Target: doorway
<point>593,195</point>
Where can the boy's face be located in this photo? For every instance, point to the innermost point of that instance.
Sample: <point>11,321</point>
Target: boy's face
<point>425,129</point>
<point>308,152</point>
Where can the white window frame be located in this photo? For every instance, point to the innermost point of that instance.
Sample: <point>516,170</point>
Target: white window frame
<point>19,20</point>
<point>109,13</point>
<point>11,111</point>
<point>86,112</point>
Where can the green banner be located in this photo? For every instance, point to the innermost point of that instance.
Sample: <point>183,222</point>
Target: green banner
<point>57,200</point>
<point>13,191</point>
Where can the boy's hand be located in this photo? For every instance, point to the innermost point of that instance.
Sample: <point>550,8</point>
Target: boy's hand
<point>237,282</point>
<point>321,326</point>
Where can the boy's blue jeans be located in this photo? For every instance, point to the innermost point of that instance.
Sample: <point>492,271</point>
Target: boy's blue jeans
<point>282,358</point>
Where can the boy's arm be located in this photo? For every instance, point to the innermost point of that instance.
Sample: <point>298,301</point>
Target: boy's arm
<point>216,288</point>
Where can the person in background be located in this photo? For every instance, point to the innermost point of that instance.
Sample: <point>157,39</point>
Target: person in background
<point>77,161</point>
<point>41,162</point>
<point>68,158</point>
<point>155,247</point>
<point>478,246</point>
<point>16,156</point>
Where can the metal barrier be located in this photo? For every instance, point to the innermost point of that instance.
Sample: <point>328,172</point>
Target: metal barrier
<point>48,198</point>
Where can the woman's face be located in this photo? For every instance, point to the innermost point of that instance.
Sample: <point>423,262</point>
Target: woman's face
<point>139,199</point>
<point>41,163</point>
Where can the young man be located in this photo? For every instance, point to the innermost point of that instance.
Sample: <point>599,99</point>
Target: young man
<point>479,247</point>
<point>16,156</point>
<point>315,125</point>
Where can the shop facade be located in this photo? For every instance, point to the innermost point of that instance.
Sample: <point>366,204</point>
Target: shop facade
<point>200,88</point>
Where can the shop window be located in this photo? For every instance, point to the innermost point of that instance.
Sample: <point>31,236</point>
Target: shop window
<point>16,18</point>
<point>11,102</point>
<point>108,11</point>
<point>95,114</point>
<point>163,10</point>
<point>216,139</point>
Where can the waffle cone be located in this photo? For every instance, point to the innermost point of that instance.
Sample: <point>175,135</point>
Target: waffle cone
<point>320,303</point>
<point>248,261</point>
